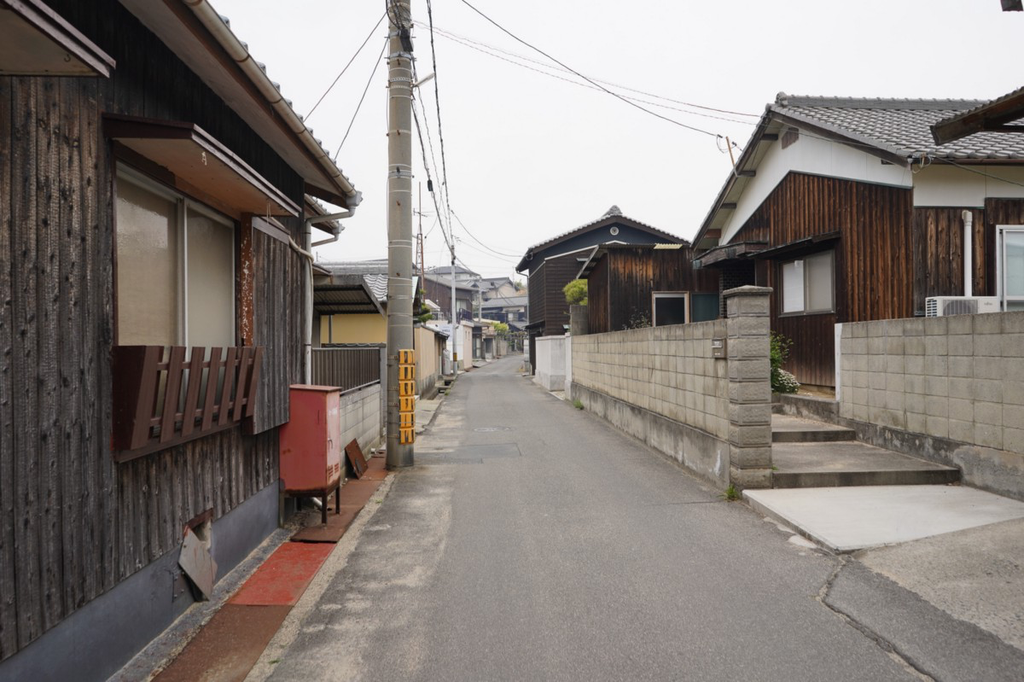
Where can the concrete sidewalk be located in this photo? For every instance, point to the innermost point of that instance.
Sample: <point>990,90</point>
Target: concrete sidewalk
<point>957,548</point>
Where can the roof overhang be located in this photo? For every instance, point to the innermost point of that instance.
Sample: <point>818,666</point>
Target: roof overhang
<point>345,295</point>
<point>201,163</point>
<point>36,41</point>
<point>202,39</point>
<point>727,253</point>
<point>992,117</point>
<point>769,128</point>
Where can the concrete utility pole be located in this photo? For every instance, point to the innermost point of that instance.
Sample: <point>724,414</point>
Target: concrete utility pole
<point>455,336</point>
<point>400,268</point>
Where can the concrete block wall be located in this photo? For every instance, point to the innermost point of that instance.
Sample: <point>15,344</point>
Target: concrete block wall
<point>666,370</point>
<point>550,371</point>
<point>663,385</point>
<point>959,381</point>
<point>361,417</point>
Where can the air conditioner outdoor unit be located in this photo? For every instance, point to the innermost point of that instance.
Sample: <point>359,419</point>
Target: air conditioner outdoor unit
<point>942,306</point>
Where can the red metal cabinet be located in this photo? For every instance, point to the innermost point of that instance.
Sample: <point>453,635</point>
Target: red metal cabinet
<point>311,443</point>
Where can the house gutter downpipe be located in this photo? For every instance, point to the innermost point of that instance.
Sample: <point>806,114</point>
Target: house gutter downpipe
<point>399,198</point>
<point>968,252</point>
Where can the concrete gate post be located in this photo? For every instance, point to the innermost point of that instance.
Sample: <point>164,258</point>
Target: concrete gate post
<point>750,392</point>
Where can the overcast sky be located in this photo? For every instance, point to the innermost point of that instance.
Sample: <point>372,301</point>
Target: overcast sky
<point>531,155</point>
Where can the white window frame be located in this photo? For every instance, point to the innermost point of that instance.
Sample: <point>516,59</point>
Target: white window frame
<point>655,295</point>
<point>804,311</point>
<point>1001,231</point>
<point>183,205</point>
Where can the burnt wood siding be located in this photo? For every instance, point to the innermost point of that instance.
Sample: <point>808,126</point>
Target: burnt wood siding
<point>630,277</point>
<point>537,284</point>
<point>874,269</point>
<point>73,524</point>
<point>599,299</point>
<point>938,238</point>
<point>554,311</point>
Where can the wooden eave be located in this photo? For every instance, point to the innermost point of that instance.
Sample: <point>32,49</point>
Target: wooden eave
<point>173,22</point>
<point>993,117</point>
<point>194,156</point>
<point>729,252</point>
<point>36,41</point>
<point>798,246</point>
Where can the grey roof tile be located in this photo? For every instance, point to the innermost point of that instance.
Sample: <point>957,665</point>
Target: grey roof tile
<point>900,126</point>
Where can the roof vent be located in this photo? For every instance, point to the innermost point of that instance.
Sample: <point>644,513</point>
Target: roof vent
<point>613,211</point>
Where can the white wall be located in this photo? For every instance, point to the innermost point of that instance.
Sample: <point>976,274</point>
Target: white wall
<point>551,362</point>
<point>813,155</point>
<point>940,185</point>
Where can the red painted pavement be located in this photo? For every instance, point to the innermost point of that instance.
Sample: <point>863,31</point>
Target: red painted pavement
<point>283,577</point>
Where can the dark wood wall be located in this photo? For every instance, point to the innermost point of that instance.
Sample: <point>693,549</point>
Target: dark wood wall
<point>72,522</point>
<point>547,300</point>
<point>874,268</point>
<point>628,276</point>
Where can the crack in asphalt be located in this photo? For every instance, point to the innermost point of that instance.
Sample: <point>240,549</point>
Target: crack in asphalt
<point>884,644</point>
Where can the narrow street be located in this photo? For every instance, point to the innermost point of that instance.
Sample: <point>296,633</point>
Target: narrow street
<point>532,541</point>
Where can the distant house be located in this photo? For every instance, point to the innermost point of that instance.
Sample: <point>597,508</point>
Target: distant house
<point>495,287</point>
<point>554,263</point>
<point>631,286</point>
<point>462,274</point>
<point>438,288</point>
<point>852,212</point>
<point>350,302</point>
<point>152,183</point>
<point>508,309</point>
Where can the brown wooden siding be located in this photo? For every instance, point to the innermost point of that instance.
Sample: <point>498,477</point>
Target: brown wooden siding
<point>72,522</point>
<point>873,265</point>
<point>559,272</point>
<point>631,275</point>
<point>536,292</point>
<point>599,299</point>
<point>939,254</point>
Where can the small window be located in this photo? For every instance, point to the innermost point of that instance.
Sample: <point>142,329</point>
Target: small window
<point>175,268</point>
<point>1010,266</point>
<point>671,307</point>
<point>807,284</point>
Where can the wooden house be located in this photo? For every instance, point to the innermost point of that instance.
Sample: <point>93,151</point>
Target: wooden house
<point>554,263</point>
<point>152,186</point>
<point>631,286</point>
<point>438,288</point>
<point>851,211</point>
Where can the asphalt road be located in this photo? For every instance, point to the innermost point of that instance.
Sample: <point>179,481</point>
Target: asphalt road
<point>532,541</point>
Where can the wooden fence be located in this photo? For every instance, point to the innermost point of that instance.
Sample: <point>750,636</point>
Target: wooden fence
<point>348,366</point>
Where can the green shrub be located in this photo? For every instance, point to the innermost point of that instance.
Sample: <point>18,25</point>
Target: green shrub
<point>576,292</point>
<point>782,381</point>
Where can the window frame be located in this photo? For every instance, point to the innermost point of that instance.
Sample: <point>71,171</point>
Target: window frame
<point>124,172</point>
<point>1001,269</point>
<point>781,288</point>
<point>655,295</point>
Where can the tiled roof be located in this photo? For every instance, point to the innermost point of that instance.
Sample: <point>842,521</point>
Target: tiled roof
<point>898,126</point>
<point>378,285</point>
<point>613,214</point>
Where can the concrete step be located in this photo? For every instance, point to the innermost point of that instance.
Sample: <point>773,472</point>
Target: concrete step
<point>789,429</point>
<point>831,464</point>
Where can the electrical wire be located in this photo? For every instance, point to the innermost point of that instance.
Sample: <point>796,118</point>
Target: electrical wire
<point>592,82</point>
<point>348,130</point>
<point>494,251</point>
<point>342,73</point>
<point>437,105</point>
<point>490,51</point>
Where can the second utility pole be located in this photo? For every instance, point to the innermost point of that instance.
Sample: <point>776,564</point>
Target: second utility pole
<point>400,269</point>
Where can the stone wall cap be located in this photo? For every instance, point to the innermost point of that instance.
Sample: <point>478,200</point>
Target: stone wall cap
<point>747,290</point>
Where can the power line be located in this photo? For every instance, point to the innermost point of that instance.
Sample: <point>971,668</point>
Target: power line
<point>495,251</point>
<point>437,105</point>
<point>592,82</point>
<point>484,47</point>
<point>363,97</point>
<point>342,73</point>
